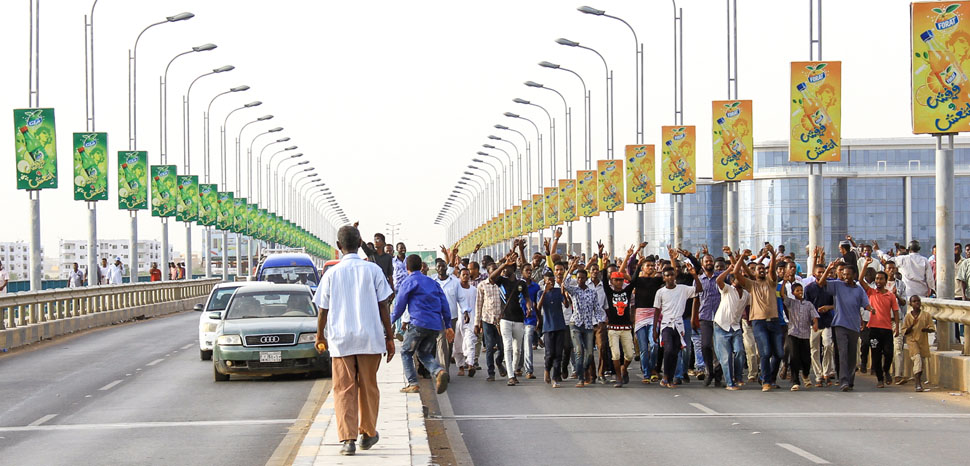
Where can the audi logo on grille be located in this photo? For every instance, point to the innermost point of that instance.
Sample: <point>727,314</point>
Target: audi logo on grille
<point>269,339</point>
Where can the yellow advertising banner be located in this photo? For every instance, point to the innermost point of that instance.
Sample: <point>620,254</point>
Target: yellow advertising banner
<point>609,185</point>
<point>816,111</point>
<point>733,141</point>
<point>586,193</point>
<point>679,168</point>
<point>567,200</point>
<point>640,174</point>
<point>940,60</point>
<point>516,220</point>
<point>538,215</point>
<point>527,217</point>
<point>551,205</point>
<point>507,218</point>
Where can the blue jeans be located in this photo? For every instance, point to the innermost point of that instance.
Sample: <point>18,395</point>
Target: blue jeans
<point>729,347</point>
<point>648,350</point>
<point>527,342</point>
<point>770,337</point>
<point>421,341</point>
<point>493,343</point>
<point>582,348</point>
<point>683,358</point>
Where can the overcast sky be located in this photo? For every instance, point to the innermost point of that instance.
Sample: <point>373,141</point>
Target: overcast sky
<point>390,100</point>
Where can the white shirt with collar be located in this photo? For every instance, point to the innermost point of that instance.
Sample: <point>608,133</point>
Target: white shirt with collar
<point>115,274</point>
<point>450,286</point>
<point>351,291</point>
<point>75,279</point>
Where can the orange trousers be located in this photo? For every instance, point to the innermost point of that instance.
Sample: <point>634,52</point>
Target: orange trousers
<point>356,396</point>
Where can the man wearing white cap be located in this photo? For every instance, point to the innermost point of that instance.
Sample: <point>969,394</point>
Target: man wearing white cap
<point>115,272</point>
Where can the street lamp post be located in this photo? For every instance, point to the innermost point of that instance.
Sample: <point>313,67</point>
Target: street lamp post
<point>224,182</point>
<point>259,167</point>
<point>249,191</point>
<point>132,140</point>
<point>528,166</point>
<point>497,202</point>
<point>249,183</point>
<point>270,180</point>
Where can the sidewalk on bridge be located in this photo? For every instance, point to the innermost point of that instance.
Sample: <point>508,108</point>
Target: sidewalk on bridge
<point>404,439</point>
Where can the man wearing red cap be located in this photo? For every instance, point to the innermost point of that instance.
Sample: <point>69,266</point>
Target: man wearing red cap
<point>619,319</point>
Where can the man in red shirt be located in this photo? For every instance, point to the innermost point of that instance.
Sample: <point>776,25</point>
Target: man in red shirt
<point>883,324</point>
<point>154,273</point>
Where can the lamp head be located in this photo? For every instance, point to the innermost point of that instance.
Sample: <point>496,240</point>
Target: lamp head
<point>566,42</point>
<point>295,156</point>
<point>291,147</point>
<point>501,127</point>
<point>520,101</point>
<point>276,129</point>
<point>204,48</point>
<point>254,103</point>
<point>494,138</point>
<point>533,84</point>
<point>283,139</point>
<point>265,117</point>
<point>223,69</point>
<point>303,162</point>
<point>591,11</point>
<point>180,17</point>
<point>472,167</point>
<point>546,64</point>
<point>510,115</point>
<point>239,88</point>
<point>478,161</point>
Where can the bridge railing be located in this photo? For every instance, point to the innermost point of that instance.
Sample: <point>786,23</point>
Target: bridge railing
<point>948,312</point>
<point>33,307</point>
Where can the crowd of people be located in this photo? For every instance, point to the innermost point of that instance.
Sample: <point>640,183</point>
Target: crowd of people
<point>735,319</point>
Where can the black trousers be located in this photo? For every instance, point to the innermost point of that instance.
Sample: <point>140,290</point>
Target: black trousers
<point>711,363</point>
<point>864,350</point>
<point>554,342</point>
<point>847,342</point>
<point>672,346</point>
<point>566,354</point>
<point>881,342</point>
<point>800,359</point>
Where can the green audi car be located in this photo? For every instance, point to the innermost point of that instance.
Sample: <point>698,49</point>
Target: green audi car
<point>268,329</point>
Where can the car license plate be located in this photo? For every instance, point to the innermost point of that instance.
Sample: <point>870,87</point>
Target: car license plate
<point>271,356</point>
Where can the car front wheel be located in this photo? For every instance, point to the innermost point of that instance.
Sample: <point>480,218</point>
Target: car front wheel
<point>219,377</point>
<point>205,355</point>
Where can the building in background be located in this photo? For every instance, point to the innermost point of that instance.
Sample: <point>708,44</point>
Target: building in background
<point>882,190</point>
<point>71,251</point>
<point>16,259</point>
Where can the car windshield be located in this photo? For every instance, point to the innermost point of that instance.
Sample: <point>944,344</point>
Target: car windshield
<point>220,297</point>
<point>304,275</point>
<point>267,304</point>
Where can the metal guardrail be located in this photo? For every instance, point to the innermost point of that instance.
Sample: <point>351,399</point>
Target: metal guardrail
<point>950,311</point>
<point>33,307</point>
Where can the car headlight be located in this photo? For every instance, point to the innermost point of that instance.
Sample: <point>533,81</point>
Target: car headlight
<point>209,327</point>
<point>307,338</point>
<point>227,340</point>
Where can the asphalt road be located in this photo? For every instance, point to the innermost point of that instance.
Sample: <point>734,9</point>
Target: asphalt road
<point>692,424</point>
<point>139,394</point>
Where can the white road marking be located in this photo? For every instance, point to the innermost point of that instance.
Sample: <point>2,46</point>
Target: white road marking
<point>110,385</point>
<point>142,425</point>
<point>155,362</point>
<point>811,415</point>
<point>42,420</point>
<point>802,453</point>
<point>703,408</point>
<point>188,346</point>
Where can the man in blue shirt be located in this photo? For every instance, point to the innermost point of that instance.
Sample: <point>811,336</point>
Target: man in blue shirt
<point>430,313</point>
<point>821,341</point>
<point>554,333</point>
<point>850,298</point>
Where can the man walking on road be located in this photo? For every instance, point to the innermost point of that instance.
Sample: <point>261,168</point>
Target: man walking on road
<point>430,315</point>
<point>75,278</point>
<point>353,320</point>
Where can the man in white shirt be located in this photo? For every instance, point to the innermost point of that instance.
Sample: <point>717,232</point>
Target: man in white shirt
<point>449,284</point>
<point>728,335</point>
<point>354,324</point>
<point>671,302</point>
<point>103,272</point>
<point>75,277</point>
<point>115,272</point>
<point>916,271</point>
<point>465,355</point>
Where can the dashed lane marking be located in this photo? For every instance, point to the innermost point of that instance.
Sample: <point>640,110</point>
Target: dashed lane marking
<point>703,408</point>
<point>802,453</point>
<point>110,385</point>
<point>155,362</point>
<point>42,420</point>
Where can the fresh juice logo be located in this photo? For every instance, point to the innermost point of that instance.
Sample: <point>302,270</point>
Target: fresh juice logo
<point>946,18</point>
<point>34,117</point>
<point>816,74</point>
<point>679,133</point>
<point>89,140</point>
<point>732,110</point>
<point>131,158</point>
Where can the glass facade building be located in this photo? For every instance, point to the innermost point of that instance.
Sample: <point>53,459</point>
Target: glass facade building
<point>881,190</point>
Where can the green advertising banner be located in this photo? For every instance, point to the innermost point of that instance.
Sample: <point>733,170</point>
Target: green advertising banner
<point>250,229</point>
<point>239,215</point>
<point>164,187</point>
<point>35,148</point>
<point>208,204</point>
<point>132,177</point>
<point>224,218</point>
<point>90,166</point>
<point>188,198</point>
<point>261,216</point>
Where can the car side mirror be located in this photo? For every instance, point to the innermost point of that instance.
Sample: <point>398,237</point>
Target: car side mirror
<point>197,308</point>
<point>215,315</point>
